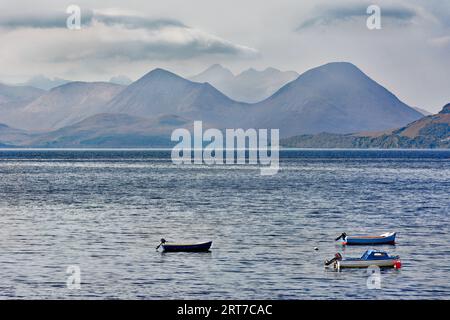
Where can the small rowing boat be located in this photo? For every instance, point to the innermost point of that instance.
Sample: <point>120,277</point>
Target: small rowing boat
<point>385,238</point>
<point>184,247</point>
<point>370,258</point>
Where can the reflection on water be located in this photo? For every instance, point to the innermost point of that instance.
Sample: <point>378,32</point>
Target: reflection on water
<point>105,211</point>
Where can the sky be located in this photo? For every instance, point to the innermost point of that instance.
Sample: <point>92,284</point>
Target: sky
<point>409,55</point>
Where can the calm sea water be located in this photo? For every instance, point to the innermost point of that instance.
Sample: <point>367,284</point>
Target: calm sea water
<point>105,212</point>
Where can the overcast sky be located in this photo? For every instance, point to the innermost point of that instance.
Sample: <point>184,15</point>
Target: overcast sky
<point>410,55</point>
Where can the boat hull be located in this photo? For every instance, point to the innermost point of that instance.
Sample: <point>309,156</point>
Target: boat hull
<point>387,238</point>
<point>196,247</point>
<point>365,263</point>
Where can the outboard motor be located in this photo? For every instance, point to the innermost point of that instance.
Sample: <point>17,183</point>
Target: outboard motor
<point>337,257</point>
<point>342,236</point>
<point>162,241</point>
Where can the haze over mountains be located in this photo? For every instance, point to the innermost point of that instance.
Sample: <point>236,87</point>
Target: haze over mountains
<point>335,98</point>
<point>12,97</point>
<point>249,86</point>
<point>44,83</point>
<point>64,105</point>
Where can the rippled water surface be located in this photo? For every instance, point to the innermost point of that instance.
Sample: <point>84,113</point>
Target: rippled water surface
<point>106,210</point>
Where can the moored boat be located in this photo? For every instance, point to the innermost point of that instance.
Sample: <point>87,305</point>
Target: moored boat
<point>370,258</point>
<point>385,238</point>
<point>184,247</point>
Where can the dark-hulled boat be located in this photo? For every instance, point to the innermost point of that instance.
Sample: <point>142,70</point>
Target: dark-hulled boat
<point>385,238</point>
<point>185,247</point>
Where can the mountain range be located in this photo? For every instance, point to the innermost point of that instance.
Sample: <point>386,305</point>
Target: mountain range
<point>337,98</point>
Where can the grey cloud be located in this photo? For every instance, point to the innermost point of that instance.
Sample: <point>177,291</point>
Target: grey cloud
<point>42,21</point>
<point>440,10</point>
<point>136,22</point>
<point>58,20</point>
<point>141,50</point>
<point>330,15</point>
<point>161,46</point>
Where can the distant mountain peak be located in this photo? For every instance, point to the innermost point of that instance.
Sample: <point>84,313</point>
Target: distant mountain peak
<point>217,66</point>
<point>269,71</point>
<point>160,74</point>
<point>250,85</point>
<point>336,70</point>
<point>339,64</point>
<point>340,68</point>
<point>340,74</point>
<point>214,73</point>
<point>77,85</point>
<point>250,70</point>
<point>160,71</point>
